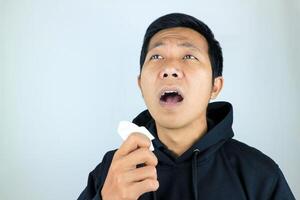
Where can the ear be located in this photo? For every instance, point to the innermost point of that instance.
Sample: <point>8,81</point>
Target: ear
<point>139,83</point>
<point>217,87</point>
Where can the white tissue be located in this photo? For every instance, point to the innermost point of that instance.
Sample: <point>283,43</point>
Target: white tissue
<point>126,128</point>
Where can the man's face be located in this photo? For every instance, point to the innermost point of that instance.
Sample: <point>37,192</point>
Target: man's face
<point>177,60</point>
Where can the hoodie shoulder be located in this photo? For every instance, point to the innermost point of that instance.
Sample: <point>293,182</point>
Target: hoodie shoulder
<point>260,176</point>
<point>240,152</point>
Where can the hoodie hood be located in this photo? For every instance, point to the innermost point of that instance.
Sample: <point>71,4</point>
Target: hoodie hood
<point>219,129</point>
<point>219,122</point>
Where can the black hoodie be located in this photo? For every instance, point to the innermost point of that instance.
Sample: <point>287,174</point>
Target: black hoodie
<point>215,167</point>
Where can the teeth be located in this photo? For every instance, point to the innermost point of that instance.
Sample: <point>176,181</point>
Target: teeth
<point>170,91</point>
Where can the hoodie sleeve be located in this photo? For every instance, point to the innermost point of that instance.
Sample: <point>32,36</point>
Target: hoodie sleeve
<point>281,189</point>
<point>96,179</point>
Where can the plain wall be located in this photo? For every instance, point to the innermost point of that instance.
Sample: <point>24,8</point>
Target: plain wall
<point>68,74</point>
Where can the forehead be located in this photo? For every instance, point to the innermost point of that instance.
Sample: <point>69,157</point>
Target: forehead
<point>178,35</point>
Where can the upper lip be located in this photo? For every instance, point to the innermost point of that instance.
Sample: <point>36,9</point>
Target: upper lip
<point>171,88</point>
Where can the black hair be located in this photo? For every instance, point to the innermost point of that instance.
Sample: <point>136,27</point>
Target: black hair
<point>183,20</point>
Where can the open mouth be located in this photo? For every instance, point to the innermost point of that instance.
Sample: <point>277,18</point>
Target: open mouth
<point>171,97</point>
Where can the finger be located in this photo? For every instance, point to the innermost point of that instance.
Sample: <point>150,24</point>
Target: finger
<point>140,155</point>
<point>147,185</point>
<point>140,174</point>
<point>134,141</point>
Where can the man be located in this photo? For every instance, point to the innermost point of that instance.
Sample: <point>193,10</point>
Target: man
<point>194,154</point>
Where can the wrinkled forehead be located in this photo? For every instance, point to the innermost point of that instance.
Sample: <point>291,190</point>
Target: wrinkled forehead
<point>184,37</point>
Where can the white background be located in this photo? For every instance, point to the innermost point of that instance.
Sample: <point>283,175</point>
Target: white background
<point>68,75</point>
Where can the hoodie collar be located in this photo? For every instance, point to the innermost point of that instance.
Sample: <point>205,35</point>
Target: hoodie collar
<point>219,120</point>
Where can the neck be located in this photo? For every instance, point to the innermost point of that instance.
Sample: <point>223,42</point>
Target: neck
<point>178,140</point>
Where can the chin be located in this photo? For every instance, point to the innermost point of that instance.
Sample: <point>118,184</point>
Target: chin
<point>171,122</point>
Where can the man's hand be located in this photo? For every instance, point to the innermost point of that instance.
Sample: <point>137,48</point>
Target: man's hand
<point>124,180</point>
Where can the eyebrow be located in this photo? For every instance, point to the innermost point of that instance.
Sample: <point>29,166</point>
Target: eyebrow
<point>183,44</point>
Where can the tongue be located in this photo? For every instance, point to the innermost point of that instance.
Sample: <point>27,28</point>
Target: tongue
<point>173,99</point>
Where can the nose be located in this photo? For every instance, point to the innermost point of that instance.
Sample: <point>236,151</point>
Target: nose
<point>170,72</point>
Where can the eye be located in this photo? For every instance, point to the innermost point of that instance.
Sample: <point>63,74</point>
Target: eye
<point>156,56</point>
<point>189,57</point>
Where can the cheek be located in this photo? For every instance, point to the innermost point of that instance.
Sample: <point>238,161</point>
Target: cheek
<point>148,76</point>
<point>200,74</point>
<point>200,83</point>
<point>146,79</point>
<point>147,84</point>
